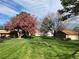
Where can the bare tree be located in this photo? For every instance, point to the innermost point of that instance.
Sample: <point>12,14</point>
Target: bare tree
<point>52,22</point>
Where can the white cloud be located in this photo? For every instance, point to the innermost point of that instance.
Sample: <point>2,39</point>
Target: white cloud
<point>36,7</point>
<point>7,11</point>
<point>72,22</point>
<point>39,8</point>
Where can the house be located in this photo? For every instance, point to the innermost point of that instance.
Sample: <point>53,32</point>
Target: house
<point>4,33</point>
<point>73,35</point>
<point>49,33</point>
<point>38,33</point>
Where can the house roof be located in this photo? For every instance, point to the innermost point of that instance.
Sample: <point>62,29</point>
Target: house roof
<point>4,32</point>
<point>70,32</point>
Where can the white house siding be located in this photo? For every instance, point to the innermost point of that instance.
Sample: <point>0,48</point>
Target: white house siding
<point>37,34</point>
<point>49,34</point>
<point>40,34</point>
<point>7,35</point>
<point>73,37</point>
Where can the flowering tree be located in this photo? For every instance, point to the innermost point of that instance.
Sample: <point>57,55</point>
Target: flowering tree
<point>22,22</point>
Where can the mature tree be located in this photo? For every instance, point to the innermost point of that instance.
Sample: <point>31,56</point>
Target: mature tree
<point>22,22</point>
<point>46,25</point>
<point>71,7</point>
<point>52,23</point>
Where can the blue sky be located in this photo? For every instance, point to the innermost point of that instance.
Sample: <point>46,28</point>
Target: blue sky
<point>39,8</point>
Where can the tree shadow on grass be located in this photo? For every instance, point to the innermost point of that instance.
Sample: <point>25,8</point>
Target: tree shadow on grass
<point>28,37</point>
<point>69,44</point>
<point>47,37</point>
<point>2,39</point>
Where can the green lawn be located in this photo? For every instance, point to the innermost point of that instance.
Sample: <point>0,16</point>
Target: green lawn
<point>39,48</point>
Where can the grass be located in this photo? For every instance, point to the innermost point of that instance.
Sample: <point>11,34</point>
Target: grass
<point>39,48</point>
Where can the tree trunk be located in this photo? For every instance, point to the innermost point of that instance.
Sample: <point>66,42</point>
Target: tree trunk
<point>19,35</point>
<point>19,32</point>
<point>54,34</point>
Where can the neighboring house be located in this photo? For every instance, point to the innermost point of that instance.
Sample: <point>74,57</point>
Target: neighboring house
<point>4,33</point>
<point>38,33</point>
<point>71,34</point>
<point>49,33</point>
<point>66,33</point>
